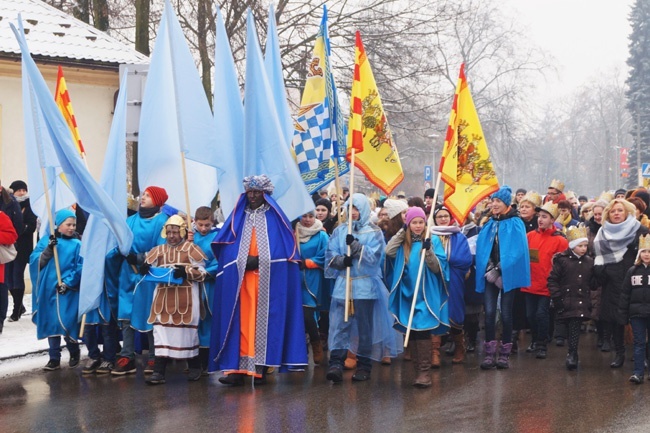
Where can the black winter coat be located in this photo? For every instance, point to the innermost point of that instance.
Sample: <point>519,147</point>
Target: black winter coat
<point>572,279</point>
<point>612,276</point>
<point>635,296</point>
<point>25,242</point>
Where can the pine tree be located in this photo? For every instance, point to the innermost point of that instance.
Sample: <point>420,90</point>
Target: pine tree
<point>638,82</point>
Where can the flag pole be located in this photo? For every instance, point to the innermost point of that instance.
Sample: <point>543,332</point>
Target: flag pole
<point>349,307</point>
<point>51,217</point>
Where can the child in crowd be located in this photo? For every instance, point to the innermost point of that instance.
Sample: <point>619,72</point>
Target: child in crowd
<point>431,314</point>
<point>570,283</point>
<point>55,301</point>
<point>203,236</point>
<point>635,305</point>
<point>312,245</point>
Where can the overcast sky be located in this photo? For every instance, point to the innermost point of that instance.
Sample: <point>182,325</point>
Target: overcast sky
<point>586,38</point>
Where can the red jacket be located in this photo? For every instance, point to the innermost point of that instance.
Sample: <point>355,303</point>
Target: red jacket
<point>542,246</point>
<point>8,236</point>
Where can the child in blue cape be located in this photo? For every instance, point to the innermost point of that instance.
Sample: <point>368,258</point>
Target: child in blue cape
<point>55,303</point>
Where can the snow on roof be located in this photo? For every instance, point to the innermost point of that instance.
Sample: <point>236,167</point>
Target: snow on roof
<point>53,33</point>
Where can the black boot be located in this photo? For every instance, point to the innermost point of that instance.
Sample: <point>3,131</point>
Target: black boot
<point>572,361</point>
<point>194,365</point>
<point>233,379</point>
<point>515,342</point>
<point>158,375</point>
<point>204,355</point>
<point>619,360</point>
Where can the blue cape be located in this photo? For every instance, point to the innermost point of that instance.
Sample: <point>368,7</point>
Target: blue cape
<point>285,333</point>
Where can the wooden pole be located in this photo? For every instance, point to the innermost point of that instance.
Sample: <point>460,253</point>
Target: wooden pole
<point>187,194</point>
<point>51,217</point>
<point>349,308</point>
<point>421,268</point>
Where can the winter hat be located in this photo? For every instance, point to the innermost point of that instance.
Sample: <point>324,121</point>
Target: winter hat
<point>63,215</point>
<point>429,193</point>
<point>583,198</point>
<point>414,212</point>
<point>620,191</point>
<point>394,207</point>
<point>324,202</point>
<point>504,194</point>
<point>158,195</point>
<point>642,193</point>
<point>576,236</point>
<point>18,184</point>
<point>521,190</point>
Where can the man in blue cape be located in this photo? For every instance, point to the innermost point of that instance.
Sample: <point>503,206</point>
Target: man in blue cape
<point>258,321</point>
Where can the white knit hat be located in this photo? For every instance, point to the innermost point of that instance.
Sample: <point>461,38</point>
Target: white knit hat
<point>394,207</point>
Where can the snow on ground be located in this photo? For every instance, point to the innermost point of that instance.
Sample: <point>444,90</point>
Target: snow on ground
<point>20,350</point>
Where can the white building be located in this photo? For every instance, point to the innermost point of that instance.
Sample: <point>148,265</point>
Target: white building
<point>90,60</point>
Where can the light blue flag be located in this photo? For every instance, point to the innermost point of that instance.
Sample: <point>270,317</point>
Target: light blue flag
<point>265,150</point>
<point>88,193</point>
<point>176,117</point>
<point>229,121</point>
<point>273,66</point>
<point>319,138</point>
<point>98,239</point>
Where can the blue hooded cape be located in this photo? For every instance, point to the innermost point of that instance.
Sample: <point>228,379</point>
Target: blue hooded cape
<point>285,345</point>
<point>513,252</point>
<point>431,309</point>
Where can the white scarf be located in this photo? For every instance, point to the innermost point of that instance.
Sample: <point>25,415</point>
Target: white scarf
<point>305,233</point>
<point>612,240</point>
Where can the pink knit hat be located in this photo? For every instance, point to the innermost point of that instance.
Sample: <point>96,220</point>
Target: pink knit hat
<point>414,212</point>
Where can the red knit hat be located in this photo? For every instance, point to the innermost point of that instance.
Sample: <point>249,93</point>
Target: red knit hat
<point>158,195</point>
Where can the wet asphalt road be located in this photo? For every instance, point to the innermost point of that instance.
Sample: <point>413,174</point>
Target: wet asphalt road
<point>533,396</point>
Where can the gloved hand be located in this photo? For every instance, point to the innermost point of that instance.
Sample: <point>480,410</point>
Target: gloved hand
<point>180,272</point>
<point>62,288</point>
<point>349,239</point>
<point>144,269</point>
<point>52,242</point>
<point>252,263</point>
<point>355,248</point>
<point>347,261</point>
<point>132,259</point>
<point>301,265</point>
<point>426,245</point>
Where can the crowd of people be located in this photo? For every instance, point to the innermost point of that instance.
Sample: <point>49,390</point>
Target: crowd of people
<point>348,282</point>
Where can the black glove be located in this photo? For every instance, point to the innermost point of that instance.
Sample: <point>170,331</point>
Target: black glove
<point>355,248</point>
<point>252,263</point>
<point>301,265</point>
<point>62,288</point>
<point>132,259</point>
<point>180,272</point>
<point>347,261</point>
<point>144,269</point>
<point>52,242</point>
<point>426,245</point>
<point>349,239</point>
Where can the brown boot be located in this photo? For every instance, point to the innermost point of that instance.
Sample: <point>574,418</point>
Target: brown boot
<point>317,351</point>
<point>459,353</point>
<point>423,349</point>
<point>350,361</point>
<point>436,340</point>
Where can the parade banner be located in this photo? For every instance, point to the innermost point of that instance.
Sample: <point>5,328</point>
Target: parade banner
<point>368,130</point>
<point>48,137</point>
<point>265,150</point>
<point>228,120</point>
<point>319,139</point>
<point>465,167</point>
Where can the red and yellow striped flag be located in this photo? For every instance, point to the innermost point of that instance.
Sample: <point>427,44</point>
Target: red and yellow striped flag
<point>369,133</point>
<point>466,168</point>
<point>62,98</point>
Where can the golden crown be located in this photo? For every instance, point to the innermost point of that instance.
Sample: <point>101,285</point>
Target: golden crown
<point>644,242</point>
<point>557,184</point>
<point>532,197</point>
<point>549,207</point>
<point>606,196</point>
<point>574,233</point>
